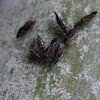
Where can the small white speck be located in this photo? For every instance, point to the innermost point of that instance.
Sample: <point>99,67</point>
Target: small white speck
<point>94,26</point>
<point>53,91</point>
<point>85,48</point>
<point>97,40</point>
<point>70,20</point>
<point>79,6</point>
<point>99,61</point>
<point>95,87</point>
<point>37,98</point>
<point>82,57</point>
<point>98,32</point>
<point>87,9</point>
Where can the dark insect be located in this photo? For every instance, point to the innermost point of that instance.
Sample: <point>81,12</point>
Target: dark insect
<point>25,28</point>
<point>51,47</point>
<point>58,52</point>
<point>88,17</point>
<point>70,34</point>
<point>40,43</point>
<point>61,23</point>
<point>84,19</point>
<point>34,53</point>
<point>78,25</point>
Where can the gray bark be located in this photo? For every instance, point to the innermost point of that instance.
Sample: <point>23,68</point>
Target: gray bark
<point>77,74</point>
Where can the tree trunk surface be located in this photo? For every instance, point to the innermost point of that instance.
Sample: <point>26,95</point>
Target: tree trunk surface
<point>76,76</point>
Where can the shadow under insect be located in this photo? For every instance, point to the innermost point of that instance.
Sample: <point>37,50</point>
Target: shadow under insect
<point>55,31</point>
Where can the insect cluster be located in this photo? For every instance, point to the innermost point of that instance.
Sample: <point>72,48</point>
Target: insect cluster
<point>54,46</point>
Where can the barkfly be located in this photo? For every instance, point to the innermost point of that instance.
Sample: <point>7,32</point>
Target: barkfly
<point>61,23</point>
<point>70,34</point>
<point>84,19</point>
<point>89,17</point>
<point>40,43</point>
<point>25,28</point>
<point>58,52</point>
<point>51,47</point>
<point>34,53</point>
<point>78,25</point>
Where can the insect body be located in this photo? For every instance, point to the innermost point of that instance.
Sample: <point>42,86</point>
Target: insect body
<point>89,17</point>
<point>85,19</point>
<point>34,53</point>
<point>61,23</point>
<point>51,47</point>
<point>40,43</point>
<point>78,25</point>
<point>58,52</point>
<point>25,28</point>
<point>70,34</point>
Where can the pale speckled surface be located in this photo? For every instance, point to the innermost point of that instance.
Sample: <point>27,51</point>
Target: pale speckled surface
<point>75,77</point>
